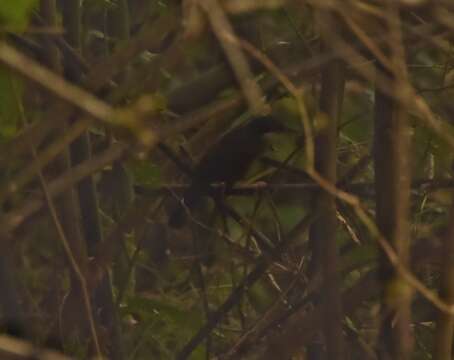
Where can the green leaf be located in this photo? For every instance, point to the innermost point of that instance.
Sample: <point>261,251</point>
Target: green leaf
<point>145,172</point>
<point>15,14</point>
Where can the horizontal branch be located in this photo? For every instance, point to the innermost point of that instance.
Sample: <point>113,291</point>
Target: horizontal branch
<point>358,188</point>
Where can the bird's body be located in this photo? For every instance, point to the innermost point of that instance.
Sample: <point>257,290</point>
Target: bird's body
<point>226,162</point>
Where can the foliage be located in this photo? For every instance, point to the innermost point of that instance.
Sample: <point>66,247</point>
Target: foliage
<point>244,274</point>
<point>14,15</point>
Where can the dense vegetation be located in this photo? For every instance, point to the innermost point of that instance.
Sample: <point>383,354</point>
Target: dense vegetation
<point>332,239</point>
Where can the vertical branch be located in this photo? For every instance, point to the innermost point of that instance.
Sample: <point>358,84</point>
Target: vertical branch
<point>118,31</point>
<point>81,151</point>
<point>324,229</point>
<point>81,148</point>
<point>392,182</point>
<point>68,205</point>
<point>68,209</point>
<point>51,54</point>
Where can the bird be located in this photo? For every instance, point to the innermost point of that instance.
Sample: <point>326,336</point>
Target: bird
<point>226,162</point>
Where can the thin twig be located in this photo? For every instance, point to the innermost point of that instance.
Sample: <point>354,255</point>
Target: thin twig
<point>55,84</point>
<point>406,96</point>
<point>223,30</point>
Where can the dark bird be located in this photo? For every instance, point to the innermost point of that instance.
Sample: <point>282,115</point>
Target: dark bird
<point>226,162</point>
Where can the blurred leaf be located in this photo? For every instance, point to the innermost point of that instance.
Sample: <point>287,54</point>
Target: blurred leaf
<point>10,93</point>
<point>286,110</point>
<point>151,104</point>
<point>427,142</point>
<point>442,197</point>
<point>259,297</point>
<point>145,172</point>
<point>424,145</point>
<point>360,255</point>
<point>117,189</point>
<point>15,14</point>
<point>290,215</point>
<point>356,125</point>
<point>281,146</point>
<point>443,157</point>
<point>171,312</point>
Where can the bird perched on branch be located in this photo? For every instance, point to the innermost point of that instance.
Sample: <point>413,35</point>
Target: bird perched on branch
<point>226,162</point>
